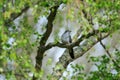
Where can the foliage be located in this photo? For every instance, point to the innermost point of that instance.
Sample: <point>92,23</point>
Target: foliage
<point>17,52</point>
<point>106,69</point>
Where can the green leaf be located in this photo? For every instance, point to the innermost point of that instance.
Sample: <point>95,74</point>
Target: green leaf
<point>13,56</point>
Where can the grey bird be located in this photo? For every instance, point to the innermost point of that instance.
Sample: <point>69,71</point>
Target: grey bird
<point>66,39</point>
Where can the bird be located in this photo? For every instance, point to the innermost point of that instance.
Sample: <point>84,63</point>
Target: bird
<point>66,39</point>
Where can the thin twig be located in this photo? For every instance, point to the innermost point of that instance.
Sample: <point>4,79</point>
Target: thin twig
<point>108,53</point>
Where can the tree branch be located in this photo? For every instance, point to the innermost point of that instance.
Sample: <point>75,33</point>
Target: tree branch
<point>87,15</point>
<point>107,51</point>
<point>16,15</point>
<point>46,35</point>
<point>41,48</point>
<point>65,60</point>
<point>76,43</point>
<point>49,25</point>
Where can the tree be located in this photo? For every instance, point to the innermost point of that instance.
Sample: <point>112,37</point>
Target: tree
<point>97,20</point>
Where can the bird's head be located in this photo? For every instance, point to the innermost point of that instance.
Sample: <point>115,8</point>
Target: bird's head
<point>67,31</point>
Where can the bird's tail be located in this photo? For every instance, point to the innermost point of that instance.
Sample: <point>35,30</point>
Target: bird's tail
<point>71,52</point>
